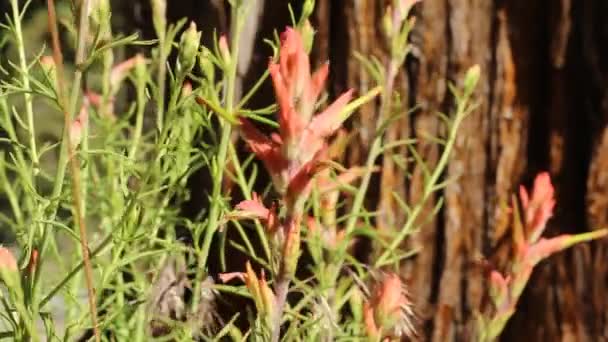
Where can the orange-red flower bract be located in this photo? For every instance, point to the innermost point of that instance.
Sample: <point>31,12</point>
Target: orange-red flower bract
<point>538,208</point>
<point>301,134</point>
<point>255,209</point>
<point>388,311</point>
<point>7,260</point>
<point>259,289</point>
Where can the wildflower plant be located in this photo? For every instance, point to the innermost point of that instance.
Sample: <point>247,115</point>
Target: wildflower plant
<point>530,248</point>
<point>96,208</point>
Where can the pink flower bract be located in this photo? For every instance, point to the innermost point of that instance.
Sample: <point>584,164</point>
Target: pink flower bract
<point>538,208</point>
<point>302,136</point>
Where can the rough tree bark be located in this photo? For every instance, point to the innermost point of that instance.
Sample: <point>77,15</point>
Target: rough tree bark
<point>543,106</point>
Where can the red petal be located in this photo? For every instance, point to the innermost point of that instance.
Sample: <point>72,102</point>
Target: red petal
<point>295,65</point>
<point>539,208</point>
<point>546,247</point>
<point>345,177</point>
<point>226,277</point>
<point>290,124</point>
<point>253,208</point>
<point>265,148</point>
<point>523,197</point>
<point>299,184</point>
<point>307,105</point>
<point>328,121</point>
<point>498,284</point>
<point>317,82</point>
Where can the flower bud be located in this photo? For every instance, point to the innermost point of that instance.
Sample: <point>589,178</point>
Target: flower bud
<point>206,65</point>
<point>267,296</point>
<point>188,48</point>
<point>7,260</point>
<point>308,34</point>
<point>471,78</point>
<point>387,22</point>
<point>9,272</point>
<point>186,89</point>
<point>100,13</point>
<point>262,295</point>
<point>159,10</point>
<point>140,69</point>
<point>78,127</point>
<point>307,8</point>
<point>50,69</point>
<point>224,50</point>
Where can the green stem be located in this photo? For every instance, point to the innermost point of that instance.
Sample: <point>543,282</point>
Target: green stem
<point>30,179</point>
<point>281,291</point>
<point>374,153</point>
<point>10,194</point>
<point>139,119</point>
<point>63,153</point>
<point>429,187</point>
<point>216,200</point>
<point>10,130</point>
<point>240,175</point>
<point>132,201</point>
<point>26,84</point>
<point>214,213</point>
<point>162,74</point>
<point>67,150</point>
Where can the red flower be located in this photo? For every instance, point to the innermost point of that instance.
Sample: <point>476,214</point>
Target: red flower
<point>297,92</point>
<point>288,156</point>
<point>538,209</point>
<point>268,149</point>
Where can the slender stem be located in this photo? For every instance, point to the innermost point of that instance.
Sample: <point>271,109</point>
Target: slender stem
<point>216,200</point>
<point>26,84</point>
<point>161,77</point>
<point>281,290</point>
<point>31,179</point>
<point>108,239</point>
<point>67,150</point>
<point>10,131</point>
<point>429,186</point>
<point>240,175</point>
<point>374,153</point>
<point>11,195</point>
<point>139,119</point>
<point>214,212</point>
<point>102,245</point>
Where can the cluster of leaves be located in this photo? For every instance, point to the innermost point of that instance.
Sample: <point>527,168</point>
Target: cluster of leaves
<point>118,175</point>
